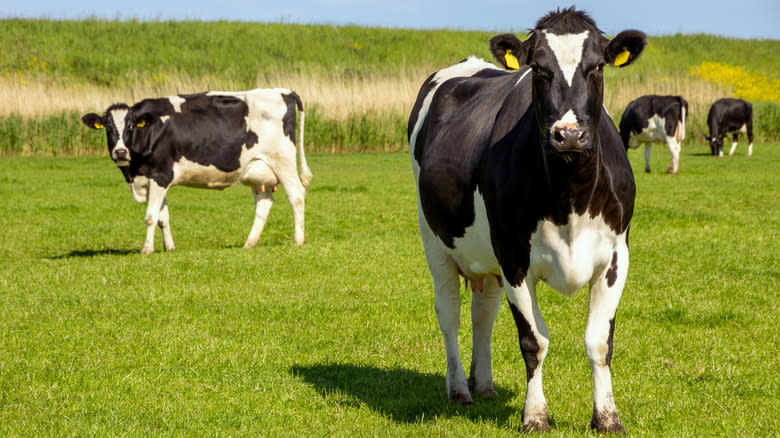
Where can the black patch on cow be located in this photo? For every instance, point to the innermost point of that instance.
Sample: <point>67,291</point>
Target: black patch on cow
<point>251,139</point>
<point>209,130</point>
<point>424,91</point>
<point>567,20</point>
<point>292,101</point>
<point>728,115</point>
<point>608,359</point>
<point>528,344</point>
<point>613,270</point>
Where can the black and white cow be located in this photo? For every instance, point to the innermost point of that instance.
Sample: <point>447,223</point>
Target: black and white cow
<point>209,140</point>
<point>653,118</point>
<point>730,116</point>
<point>522,177</point>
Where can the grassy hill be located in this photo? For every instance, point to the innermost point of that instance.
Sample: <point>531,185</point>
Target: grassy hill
<point>359,82</point>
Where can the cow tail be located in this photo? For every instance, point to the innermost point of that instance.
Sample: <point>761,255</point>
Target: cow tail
<point>305,172</point>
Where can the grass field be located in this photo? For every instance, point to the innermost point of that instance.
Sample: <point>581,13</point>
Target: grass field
<point>339,337</point>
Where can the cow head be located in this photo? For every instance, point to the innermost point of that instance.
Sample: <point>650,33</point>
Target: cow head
<point>716,145</point>
<point>114,123</point>
<point>567,53</point>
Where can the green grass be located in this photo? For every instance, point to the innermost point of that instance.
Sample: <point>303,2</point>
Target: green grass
<point>339,337</point>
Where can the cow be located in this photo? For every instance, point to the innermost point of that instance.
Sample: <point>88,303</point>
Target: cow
<point>730,116</point>
<point>653,118</point>
<point>521,177</point>
<point>209,140</point>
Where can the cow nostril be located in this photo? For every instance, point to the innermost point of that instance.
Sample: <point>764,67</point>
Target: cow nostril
<point>558,135</point>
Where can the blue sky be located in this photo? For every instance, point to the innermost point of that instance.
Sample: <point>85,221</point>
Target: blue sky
<point>746,19</point>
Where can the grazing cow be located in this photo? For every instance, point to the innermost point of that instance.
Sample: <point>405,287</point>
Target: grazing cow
<point>730,116</point>
<point>209,140</point>
<point>522,177</point>
<point>654,118</point>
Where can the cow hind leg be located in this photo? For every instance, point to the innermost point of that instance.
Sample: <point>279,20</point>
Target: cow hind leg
<point>648,147</point>
<point>165,225</point>
<point>264,200</point>
<point>484,308</point>
<point>534,343</point>
<point>154,208</point>
<point>296,194</point>
<point>674,149</point>
<point>605,292</point>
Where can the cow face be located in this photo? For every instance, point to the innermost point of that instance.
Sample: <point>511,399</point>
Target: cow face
<point>716,145</point>
<point>114,123</point>
<point>566,53</point>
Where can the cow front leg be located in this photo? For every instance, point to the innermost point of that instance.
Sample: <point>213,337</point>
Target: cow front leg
<point>264,200</point>
<point>484,308</point>
<point>648,147</point>
<point>534,342</point>
<point>153,211</point>
<point>605,292</point>
<point>165,225</point>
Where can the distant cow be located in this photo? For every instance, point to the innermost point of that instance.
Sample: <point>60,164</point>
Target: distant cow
<point>522,177</point>
<point>730,116</point>
<point>650,119</point>
<point>209,140</point>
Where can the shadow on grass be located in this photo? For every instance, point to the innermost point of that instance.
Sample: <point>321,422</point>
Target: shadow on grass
<point>95,253</point>
<point>405,396</point>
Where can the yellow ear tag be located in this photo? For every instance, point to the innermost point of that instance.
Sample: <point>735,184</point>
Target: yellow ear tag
<point>622,58</point>
<point>511,60</point>
<point>98,125</point>
<point>141,124</point>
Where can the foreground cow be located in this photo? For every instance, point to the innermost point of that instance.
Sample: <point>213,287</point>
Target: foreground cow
<point>209,140</point>
<point>522,177</point>
<point>650,119</point>
<point>730,116</point>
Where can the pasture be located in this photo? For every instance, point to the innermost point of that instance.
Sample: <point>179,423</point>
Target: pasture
<point>339,337</point>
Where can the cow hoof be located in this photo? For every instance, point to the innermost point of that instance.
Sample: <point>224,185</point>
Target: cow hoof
<point>488,393</point>
<point>607,424</point>
<point>539,426</point>
<point>146,250</point>
<point>647,170</point>
<point>461,398</point>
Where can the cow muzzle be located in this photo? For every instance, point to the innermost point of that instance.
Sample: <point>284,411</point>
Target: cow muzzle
<point>121,157</point>
<point>570,138</point>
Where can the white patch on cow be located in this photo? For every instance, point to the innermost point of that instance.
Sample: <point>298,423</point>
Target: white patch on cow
<point>191,174</point>
<point>567,256</point>
<point>569,118</point>
<point>568,51</point>
<point>473,251</point>
<point>118,117</point>
<point>176,101</point>
<point>654,132</point>
<point>469,67</point>
<point>164,118</point>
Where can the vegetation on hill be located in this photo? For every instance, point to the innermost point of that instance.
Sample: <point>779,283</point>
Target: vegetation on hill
<point>359,83</point>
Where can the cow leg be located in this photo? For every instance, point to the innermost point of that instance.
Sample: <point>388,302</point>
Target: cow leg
<point>484,308</point>
<point>674,148</point>
<point>749,128</point>
<point>734,140</point>
<point>605,292</point>
<point>165,225</point>
<point>295,194</point>
<point>154,208</point>
<point>264,200</point>
<point>648,146</point>
<point>446,285</point>
<point>534,342</point>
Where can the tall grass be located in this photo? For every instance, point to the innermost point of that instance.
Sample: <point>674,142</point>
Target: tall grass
<point>357,81</point>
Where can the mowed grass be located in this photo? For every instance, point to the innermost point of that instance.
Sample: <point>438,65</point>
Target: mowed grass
<point>339,337</point>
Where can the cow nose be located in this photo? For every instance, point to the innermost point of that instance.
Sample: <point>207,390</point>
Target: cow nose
<point>121,154</point>
<point>568,138</point>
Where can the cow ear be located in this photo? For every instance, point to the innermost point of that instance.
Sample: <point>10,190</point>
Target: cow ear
<point>145,119</point>
<point>93,121</point>
<point>510,52</point>
<point>625,48</point>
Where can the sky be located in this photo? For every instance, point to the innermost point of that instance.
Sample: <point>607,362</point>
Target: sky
<point>745,19</point>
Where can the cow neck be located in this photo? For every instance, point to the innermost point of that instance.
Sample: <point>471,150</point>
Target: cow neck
<point>127,174</point>
<point>570,180</point>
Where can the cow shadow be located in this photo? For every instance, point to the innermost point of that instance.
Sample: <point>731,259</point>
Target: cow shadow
<point>404,396</point>
<point>95,253</point>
